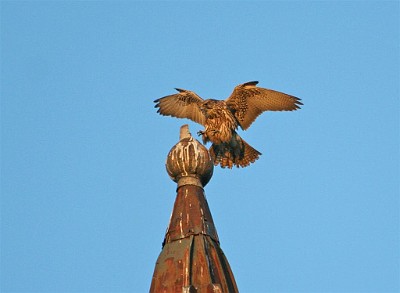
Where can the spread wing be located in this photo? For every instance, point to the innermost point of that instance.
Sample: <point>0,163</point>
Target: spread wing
<point>184,104</point>
<point>248,101</point>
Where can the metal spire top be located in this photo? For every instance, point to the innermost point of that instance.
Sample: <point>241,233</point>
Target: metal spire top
<point>191,259</point>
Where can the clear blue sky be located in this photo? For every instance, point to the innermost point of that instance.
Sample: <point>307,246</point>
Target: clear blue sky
<point>85,198</point>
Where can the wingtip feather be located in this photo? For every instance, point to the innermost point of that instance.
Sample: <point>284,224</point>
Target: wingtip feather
<point>250,83</point>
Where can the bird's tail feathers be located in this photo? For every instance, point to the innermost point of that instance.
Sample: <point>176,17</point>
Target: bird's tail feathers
<point>235,153</point>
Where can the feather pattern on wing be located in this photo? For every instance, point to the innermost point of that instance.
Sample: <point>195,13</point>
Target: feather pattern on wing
<point>247,101</point>
<point>184,104</point>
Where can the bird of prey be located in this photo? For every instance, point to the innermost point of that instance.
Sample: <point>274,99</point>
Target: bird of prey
<point>222,118</point>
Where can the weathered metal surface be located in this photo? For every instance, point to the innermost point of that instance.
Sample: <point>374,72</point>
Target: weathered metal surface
<point>189,160</point>
<point>194,264</point>
<point>190,216</point>
<point>191,259</point>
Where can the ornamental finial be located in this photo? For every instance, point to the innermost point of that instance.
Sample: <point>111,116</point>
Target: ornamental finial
<point>189,162</point>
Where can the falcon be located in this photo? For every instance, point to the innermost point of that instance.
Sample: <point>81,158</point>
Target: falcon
<point>221,118</point>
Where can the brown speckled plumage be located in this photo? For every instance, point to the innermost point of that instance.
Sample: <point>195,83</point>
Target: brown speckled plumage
<point>222,118</point>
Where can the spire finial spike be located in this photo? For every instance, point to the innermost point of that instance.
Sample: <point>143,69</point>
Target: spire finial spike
<point>184,133</point>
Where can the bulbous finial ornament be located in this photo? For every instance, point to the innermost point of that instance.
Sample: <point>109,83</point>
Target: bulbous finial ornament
<point>189,162</point>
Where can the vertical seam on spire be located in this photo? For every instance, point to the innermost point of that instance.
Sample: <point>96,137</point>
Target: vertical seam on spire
<point>191,245</point>
<point>210,265</point>
<point>230,281</point>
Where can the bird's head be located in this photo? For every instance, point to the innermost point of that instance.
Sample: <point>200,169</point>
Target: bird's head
<point>211,108</point>
<point>208,105</point>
